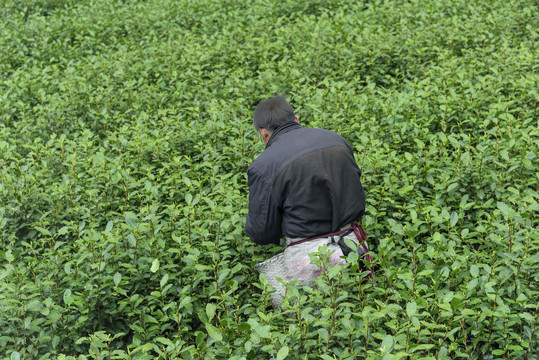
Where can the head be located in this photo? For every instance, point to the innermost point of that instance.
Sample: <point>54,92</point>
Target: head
<point>271,114</point>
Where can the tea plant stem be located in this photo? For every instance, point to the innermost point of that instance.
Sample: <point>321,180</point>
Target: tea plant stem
<point>464,334</point>
<point>415,266</point>
<point>126,198</point>
<point>510,236</point>
<point>408,326</point>
<point>236,313</point>
<point>333,292</point>
<point>522,258</point>
<point>179,322</point>
<point>300,323</point>
<point>481,168</point>
<point>379,202</point>
<point>532,335</point>
<point>23,319</point>
<point>505,337</point>
<point>448,328</point>
<point>367,336</point>
<point>99,272</point>
<point>359,290</point>
<point>491,321</point>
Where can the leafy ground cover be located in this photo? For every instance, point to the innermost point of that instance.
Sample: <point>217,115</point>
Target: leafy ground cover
<point>125,134</point>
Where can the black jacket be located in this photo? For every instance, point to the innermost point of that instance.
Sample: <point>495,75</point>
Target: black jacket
<point>306,183</point>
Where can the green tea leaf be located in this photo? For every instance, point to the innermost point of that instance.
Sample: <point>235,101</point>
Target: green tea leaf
<point>454,218</point>
<point>131,220</point>
<point>214,332</point>
<point>283,353</point>
<point>43,231</point>
<point>504,209</point>
<point>164,341</point>
<point>155,265</point>
<point>63,230</point>
<point>387,344</point>
<point>164,280</point>
<point>452,187</point>
<point>68,299</point>
<point>474,270</point>
<point>186,300</point>
<point>411,308</point>
<point>210,311</point>
<point>261,330</point>
<point>397,228</point>
<point>472,284</point>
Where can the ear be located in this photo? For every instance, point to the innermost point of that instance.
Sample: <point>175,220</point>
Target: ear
<point>265,135</point>
<point>296,118</point>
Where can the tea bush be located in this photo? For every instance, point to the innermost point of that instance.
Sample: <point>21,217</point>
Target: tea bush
<point>125,135</point>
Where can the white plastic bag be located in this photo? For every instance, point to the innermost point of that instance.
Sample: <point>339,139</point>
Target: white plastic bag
<point>294,263</point>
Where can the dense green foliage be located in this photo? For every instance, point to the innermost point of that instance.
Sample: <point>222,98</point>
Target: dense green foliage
<point>125,135</point>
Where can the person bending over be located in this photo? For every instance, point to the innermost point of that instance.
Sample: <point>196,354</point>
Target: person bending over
<point>306,186</point>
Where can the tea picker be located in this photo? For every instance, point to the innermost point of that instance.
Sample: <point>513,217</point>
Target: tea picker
<point>306,186</point>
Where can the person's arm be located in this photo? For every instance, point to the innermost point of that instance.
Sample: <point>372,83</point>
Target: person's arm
<point>263,223</point>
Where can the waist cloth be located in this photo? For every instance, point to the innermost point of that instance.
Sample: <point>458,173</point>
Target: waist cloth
<point>294,262</point>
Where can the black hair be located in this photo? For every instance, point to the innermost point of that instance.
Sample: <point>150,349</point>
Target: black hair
<point>272,113</point>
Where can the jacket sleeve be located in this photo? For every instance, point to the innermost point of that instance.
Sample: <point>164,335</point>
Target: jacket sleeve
<point>263,223</point>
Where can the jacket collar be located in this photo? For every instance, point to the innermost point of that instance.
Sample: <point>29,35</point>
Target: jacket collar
<point>283,129</point>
